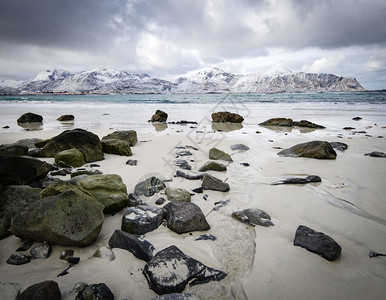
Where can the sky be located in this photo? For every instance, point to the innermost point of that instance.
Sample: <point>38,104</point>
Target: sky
<point>167,38</point>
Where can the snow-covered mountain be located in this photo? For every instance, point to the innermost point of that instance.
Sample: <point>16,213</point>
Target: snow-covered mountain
<point>209,80</point>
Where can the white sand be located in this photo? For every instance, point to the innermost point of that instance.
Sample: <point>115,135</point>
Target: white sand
<point>262,263</point>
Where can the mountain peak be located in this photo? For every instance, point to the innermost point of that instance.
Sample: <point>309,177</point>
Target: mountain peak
<point>51,75</point>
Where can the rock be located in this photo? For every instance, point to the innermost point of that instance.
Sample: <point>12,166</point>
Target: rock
<point>84,173</point>
<point>67,219</point>
<point>61,172</point>
<point>206,237</point>
<point>183,153</point>
<point>134,200</point>
<point>58,186</point>
<point>140,248</point>
<point>348,128</point>
<point>297,180</point>
<point>67,254</point>
<point>129,136</point>
<point>314,149</point>
<point>240,147</point>
<point>149,187</point>
<point>170,270</point>
<point>65,118</point>
<point>212,183</point>
<point>26,245</point>
<point>104,253</point>
<point>86,142</point>
<point>19,259</point>
<point>307,124</point>
<point>71,157</point>
<point>185,217</point>
<point>177,194</point>
<point>73,260</point>
<point>190,175</point>
<point>141,219</point>
<point>13,199</point>
<point>339,146</point>
<point>317,242</point>
<point>108,189</point>
<point>183,164</point>
<point>220,204</point>
<point>132,162</point>
<point>177,296</point>
<point>9,290</point>
<point>17,170</point>
<point>30,118</point>
<point>42,251</point>
<point>375,254</point>
<point>13,149</point>
<point>213,166</point>
<point>376,154</point>
<point>216,154</point>
<point>198,190</point>
<point>225,116</point>
<point>47,290</point>
<point>278,122</point>
<point>118,147</point>
<point>160,201</point>
<point>159,116</point>
<point>95,291</point>
<point>253,216</point>
<point>357,118</point>
<point>244,164</point>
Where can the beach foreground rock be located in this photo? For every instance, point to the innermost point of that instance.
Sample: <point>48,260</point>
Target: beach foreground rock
<point>71,157</point>
<point>253,216</point>
<point>95,291</point>
<point>314,149</point>
<point>149,187</point>
<point>129,136</point>
<point>217,154</point>
<point>159,116</point>
<point>225,116</point>
<point>43,290</point>
<point>210,182</point>
<point>141,219</point>
<point>30,118</point>
<point>117,147</point>
<point>170,270</point>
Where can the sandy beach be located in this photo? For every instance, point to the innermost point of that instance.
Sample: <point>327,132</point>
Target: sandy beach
<point>261,262</point>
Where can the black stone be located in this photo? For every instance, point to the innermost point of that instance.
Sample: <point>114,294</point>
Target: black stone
<point>42,251</point>
<point>73,260</point>
<point>134,200</point>
<point>376,154</point>
<point>205,237</point>
<point>375,254</point>
<point>298,180</point>
<point>212,183</point>
<point>30,118</point>
<point>66,254</point>
<point>160,201</point>
<point>132,162</point>
<point>26,245</point>
<point>189,175</point>
<point>95,291</point>
<point>47,290</point>
<point>141,219</point>
<point>339,146</point>
<point>198,190</point>
<point>18,259</point>
<point>183,164</point>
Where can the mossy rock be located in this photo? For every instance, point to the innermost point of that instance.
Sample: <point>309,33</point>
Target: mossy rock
<point>177,195</point>
<point>212,166</point>
<point>217,154</point>
<point>72,157</point>
<point>118,147</point>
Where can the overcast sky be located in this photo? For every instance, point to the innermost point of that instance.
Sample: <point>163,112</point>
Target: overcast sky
<point>165,38</point>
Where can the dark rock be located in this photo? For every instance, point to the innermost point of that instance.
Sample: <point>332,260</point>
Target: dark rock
<point>86,142</point>
<point>160,201</point>
<point>66,254</point>
<point>278,122</point>
<point>376,154</point>
<point>183,164</point>
<point>225,116</point>
<point>170,270</point>
<point>212,183</point>
<point>85,172</point>
<point>185,217</point>
<point>141,219</point>
<point>216,154</point>
<point>314,149</point>
<point>339,146</point>
<point>132,162</point>
<point>297,180</point>
<point>47,290</point>
<point>307,124</point>
<point>22,170</point>
<point>348,128</point>
<point>65,272</point>
<point>129,136</point>
<point>94,166</point>
<point>213,166</point>
<point>26,245</point>
<point>220,204</point>
<point>375,254</point>
<point>159,116</point>
<point>71,157</point>
<point>95,292</point>
<point>12,149</point>
<point>253,216</point>
<point>19,259</point>
<point>73,260</point>
<point>317,242</point>
<point>205,197</point>
<point>140,248</point>
<point>117,147</point>
<point>42,251</point>
<point>205,237</point>
<point>240,147</point>
<point>245,164</point>
<point>30,118</point>
<point>65,118</point>
<point>61,172</point>
<point>149,187</point>
<point>177,296</point>
<point>177,195</point>
<point>198,190</point>
<point>190,175</point>
<point>134,200</point>
<point>184,153</point>
<point>357,118</point>
<point>67,219</point>
<point>58,186</point>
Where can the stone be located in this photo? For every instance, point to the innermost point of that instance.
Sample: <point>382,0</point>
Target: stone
<point>58,186</point>
<point>26,245</point>
<point>117,147</point>
<point>13,149</point>
<point>129,136</point>
<point>66,254</point>
<point>71,157</point>
<point>95,291</point>
<point>183,164</point>
<point>149,187</point>
<point>339,146</point>
<point>47,290</point>
<point>141,219</point>
<point>140,248</point>
<point>132,162</point>
<point>170,270</point>
<point>159,116</point>
<point>198,190</point>
<point>42,251</point>
<point>13,199</point>
<point>108,189</point>
<point>177,194</point>
<point>177,296</point>
<point>134,200</point>
<point>217,154</point>
<point>84,173</point>
<point>66,118</point>
<point>190,175</point>
<point>278,122</point>
<point>160,201</point>
<point>17,170</point>
<point>225,116</point>
<point>67,219</point>
<point>307,124</point>
<point>86,142</point>
<point>317,242</point>
<point>210,182</point>
<point>239,147</point>
<point>185,217</point>
<point>213,166</point>
<point>9,290</point>
<point>253,216</point>
<point>183,153</point>
<point>19,259</point>
<point>299,180</point>
<point>314,149</point>
<point>376,154</point>
<point>205,237</point>
<point>357,118</point>
<point>375,254</point>
<point>30,118</point>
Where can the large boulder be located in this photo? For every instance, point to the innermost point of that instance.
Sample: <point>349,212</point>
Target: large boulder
<point>129,136</point>
<point>94,292</point>
<point>170,270</point>
<point>177,195</point>
<point>317,242</point>
<point>216,154</point>
<point>225,116</point>
<point>86,142</point>
<point>58,186</point>
<point>210,182</point>
<point>71,157</point>
<point>142,219</point>
<point>22,170</point>
<point>149,187</point>
<point>117,147</point>
<point>108,189</point>
<point>67,219</point>
<point>159,116</point>
<point>253,216</point>
<point>314,149</point>
<point>185,217</point>
<point>13,149</point>
<point>13,199</point>
<point>47,290</point>
<point>30,118</point>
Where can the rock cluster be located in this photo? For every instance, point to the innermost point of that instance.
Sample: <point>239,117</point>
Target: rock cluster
<point>290,123</point>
